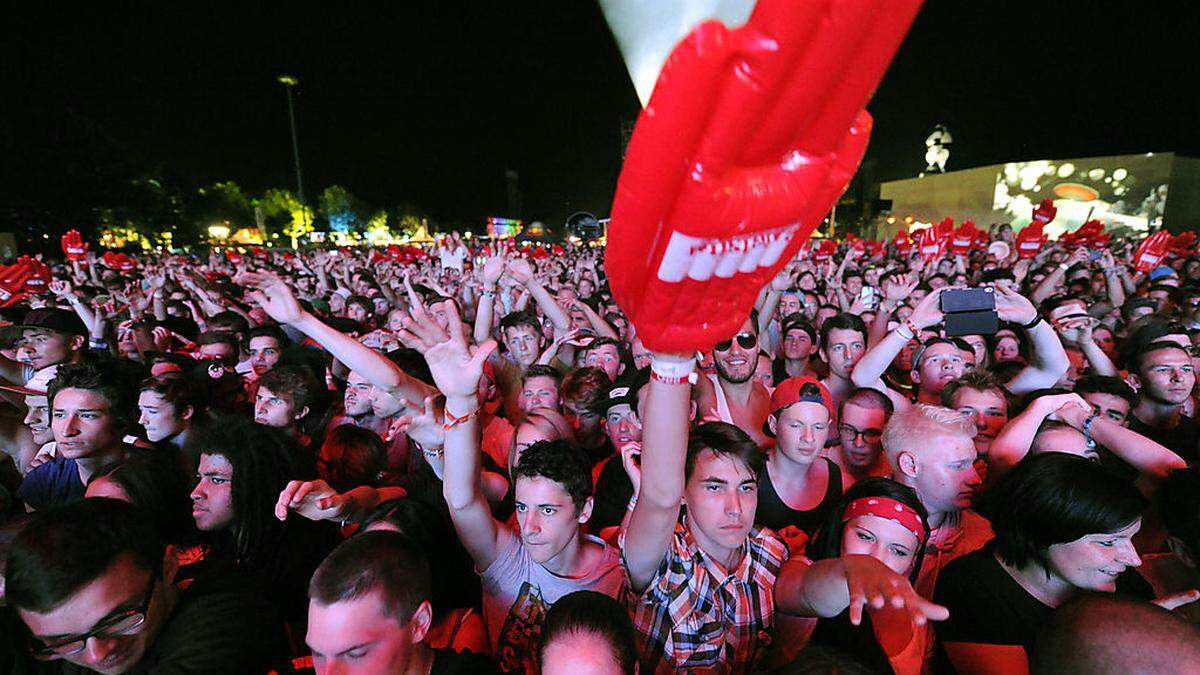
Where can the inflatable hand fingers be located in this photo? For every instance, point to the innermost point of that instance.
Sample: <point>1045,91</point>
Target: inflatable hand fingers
<point>902,243</point>
<point>1045,212</point>
<point>12,282</point>
<point>1151,252</point>
<point>1030,240</point>
<point>233,256</point>
<point>73,246</point>
<point>39,277</point>
<point>964,238</point>
<point>748,139</point>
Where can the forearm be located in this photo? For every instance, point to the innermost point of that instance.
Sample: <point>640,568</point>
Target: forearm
<point>462,479</point>
<point>1046,288</point>
<point>372,365</point>
<point>483,316</point>
<point>815,589</point>
<point>1098,360</point>
<point>1116,291</point>
<point>879,326</point>
<point>160,306</point>
<point>550,308</point>
<point>1145,455</point>
<point>598,323</point>
<point>664,439</point>
<point>1048,362</point>
<point>1014,440</point>
<point>871,367</point>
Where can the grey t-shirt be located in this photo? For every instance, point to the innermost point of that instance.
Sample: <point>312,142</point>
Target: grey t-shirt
<point>517,593</point>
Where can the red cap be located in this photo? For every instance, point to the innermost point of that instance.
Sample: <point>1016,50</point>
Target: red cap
<point>788,393</point>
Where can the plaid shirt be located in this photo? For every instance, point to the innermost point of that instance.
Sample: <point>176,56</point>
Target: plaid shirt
<point>689,620</point>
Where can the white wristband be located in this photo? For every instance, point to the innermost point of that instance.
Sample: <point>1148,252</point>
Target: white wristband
<point>671,366</point>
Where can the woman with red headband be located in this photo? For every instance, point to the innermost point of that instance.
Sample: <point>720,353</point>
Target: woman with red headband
<point>866,556</point>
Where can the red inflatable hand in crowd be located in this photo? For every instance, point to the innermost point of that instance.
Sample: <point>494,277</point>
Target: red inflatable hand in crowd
<point>233,256</point>
<point>1152,251</point>
<point>902,242</point>
<point>1045,212</point>
<point>73,246</point>
<point>823,250</point>
<point>19,280</point>
<point>874,248</point>
<point>749,137</point>
<point>259,252</point>
<point>1030,240</point>
<point>109,259</point>
<point>982,238</point>
<point>1181,245</point>
<point>39,275</point>
<point>964,238</point>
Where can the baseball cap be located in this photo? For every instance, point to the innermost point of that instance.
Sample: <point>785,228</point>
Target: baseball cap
<point>47,318</point>
<point>1161,272</point>
<point>793,322</point>
<point>621,394</point>
<point>789,392</point>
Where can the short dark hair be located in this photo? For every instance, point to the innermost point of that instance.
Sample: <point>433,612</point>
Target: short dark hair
<point>65,548</point>
<point>842,321</point>
<point>113,382</point>
<point>517,319</point>
<point>1137,359</point>
<point>587,387</point>
<point>866,397</point>
<point>1054,498</point>
<point>230,321</point>
<point>595,615</point>
<point>828,541</point>
<point>275,332</point>
<point>179,391</point>
<point>797,321</point>
<point>560,461</point>
<point>294,382</point>
<point>1106,384</point>
<point>385,562</point>
<point>725,440</point>
<point>212,337</point>
<point>977,380</point>
<point>360,457</point>
<point>542,370</point>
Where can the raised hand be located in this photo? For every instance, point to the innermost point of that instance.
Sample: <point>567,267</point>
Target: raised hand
<point>273,295</point>
<point>520,270</point>
<point>928,312</point>
<point>61,288</point>
<point>456,372</point>
<point>1012,306</point>
<point>493,269</point>
<point>631,461</point>
<point>897,289</point>
<point>314,500</point>
<point>871,583</point>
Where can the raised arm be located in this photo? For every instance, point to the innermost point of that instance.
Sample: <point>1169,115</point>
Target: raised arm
<point>870,369</point>
<point>1149,458</point>
<point>664,449</point>
<point>522,271</point>
<point>826,588</point>
<point>596,321</point>
<point>1015,439</point>
<point>277,300</point>
<point>493,269</point>
<point>1048,361</point>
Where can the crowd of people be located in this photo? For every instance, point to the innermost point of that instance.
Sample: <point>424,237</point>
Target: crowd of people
<point>462,460</point>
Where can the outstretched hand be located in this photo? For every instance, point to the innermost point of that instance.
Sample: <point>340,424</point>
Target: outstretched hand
<point>456,372</point>
<point>871,583</point>
<point>273,295</point>
<point>314,500</point>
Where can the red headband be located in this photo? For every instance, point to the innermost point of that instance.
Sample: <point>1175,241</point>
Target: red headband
<point>885,507</point>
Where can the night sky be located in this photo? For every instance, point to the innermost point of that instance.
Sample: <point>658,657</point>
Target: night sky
<point>430,102</point>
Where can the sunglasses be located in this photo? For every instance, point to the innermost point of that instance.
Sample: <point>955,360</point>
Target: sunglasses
<point>744,340</point>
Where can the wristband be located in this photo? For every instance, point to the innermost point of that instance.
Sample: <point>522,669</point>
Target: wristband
<point>1037,318</point>
<point>451,421</point>
<point>902,328</point>
<point>670,369</point>
<point>1087,430</point>
<point>487,294</point>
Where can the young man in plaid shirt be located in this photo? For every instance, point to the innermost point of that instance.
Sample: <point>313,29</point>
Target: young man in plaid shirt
<point>701,588</point>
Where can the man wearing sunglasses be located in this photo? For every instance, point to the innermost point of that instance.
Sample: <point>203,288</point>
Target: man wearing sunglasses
<point>94,583</point>
<point>732,394</point>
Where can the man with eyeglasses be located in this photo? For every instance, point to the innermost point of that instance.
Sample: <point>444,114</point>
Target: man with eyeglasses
<point>94,582</point>
<point>732,394</point>
<point>859,455</point>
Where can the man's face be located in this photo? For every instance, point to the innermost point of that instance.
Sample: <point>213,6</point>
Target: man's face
<point>722,498</point>
<point>159,417</point>
<point>764,373</point>
<point>853,285</point>
<point>641,355</point>
<point>607,358</point>
<point>39,348</point>
<point>565,296</point>
<point>220,352</point>
<point>1111,406</point>
<point>357,312</point>
<point>547,517</point>
<point>946,479</point>
<point>736,364</point>
<point>539,392</point>
<point>797,345</point>
<point>1094,561</point>
<point>356,636</point>
<point>38,419</point>
<point>82,423</point>
<point>989,412</point>
<point>861,432</point>
<point>212,499</point>
<point>1167,376</point>
<point>622,425</point>
<point>275,410</point>
<point>264,353</point>
<point>801,430</point>
<point>121,588</point>
<point>789,303</point>
<point>523,344</point>
<point>384,404</point>
<point>823,314</point>
<point>979,350</point>
<point>357,400</point>
<point>586,423</point>
<point>843,350</point>
<point>940,363</point>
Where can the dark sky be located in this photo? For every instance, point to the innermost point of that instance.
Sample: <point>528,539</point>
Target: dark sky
<point>430,102</point>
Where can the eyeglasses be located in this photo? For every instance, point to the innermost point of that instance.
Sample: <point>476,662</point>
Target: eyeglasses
<point>124,624</point>
<point>744,340</point>
<point>869,435</point>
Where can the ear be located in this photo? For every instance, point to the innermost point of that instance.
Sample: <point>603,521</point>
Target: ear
<point>170,565</point>
<point>420,622</point>
<point>907,464</point>
<point>302,413</point>
<point>813,349</point>
<point>621,370</point>
<point>585,513</point>
<point>187,413</point>
<point>692,410</point>
<point>772,422</point>
<point>821,353</point>
<point>915,376</point>
<point>78,342</point>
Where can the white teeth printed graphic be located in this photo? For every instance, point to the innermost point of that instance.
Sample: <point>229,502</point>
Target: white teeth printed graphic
<point>701,258</point>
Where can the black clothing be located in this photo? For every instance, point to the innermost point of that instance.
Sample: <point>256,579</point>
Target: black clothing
<point>450,662</point>
<point>613,492</point>
<point>774,514</point>
<point>858,642</point>
<point>1180,439</point>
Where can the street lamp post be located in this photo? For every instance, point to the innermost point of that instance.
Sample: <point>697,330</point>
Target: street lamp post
<point>288,82</point>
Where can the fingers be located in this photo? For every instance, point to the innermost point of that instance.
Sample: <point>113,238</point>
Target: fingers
<point>1170,602</point>
<point>286,497</point>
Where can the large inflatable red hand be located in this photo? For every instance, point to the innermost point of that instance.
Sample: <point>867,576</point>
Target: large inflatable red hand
<point>39,275</point>
<point>1030,240</point>
<point>1045,212</point>
<point>73,246</point>
<point>748,139</point>
<point>902,243</point>
<point>1152,251</point>
<point>964,238</point>
<point>12,282</point>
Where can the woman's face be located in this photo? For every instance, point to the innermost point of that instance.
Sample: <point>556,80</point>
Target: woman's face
<point>1105,341</point>
<point>1007,349</point>
<point>885,540</point>
<point>1094,561</point>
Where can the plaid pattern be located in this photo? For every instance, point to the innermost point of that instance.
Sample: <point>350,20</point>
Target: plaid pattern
<point>689,620</point>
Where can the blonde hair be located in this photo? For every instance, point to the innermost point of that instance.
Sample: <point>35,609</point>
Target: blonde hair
<point>918,427</point>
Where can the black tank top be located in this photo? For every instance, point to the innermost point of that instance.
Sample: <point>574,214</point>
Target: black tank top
<point>774,514</point>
